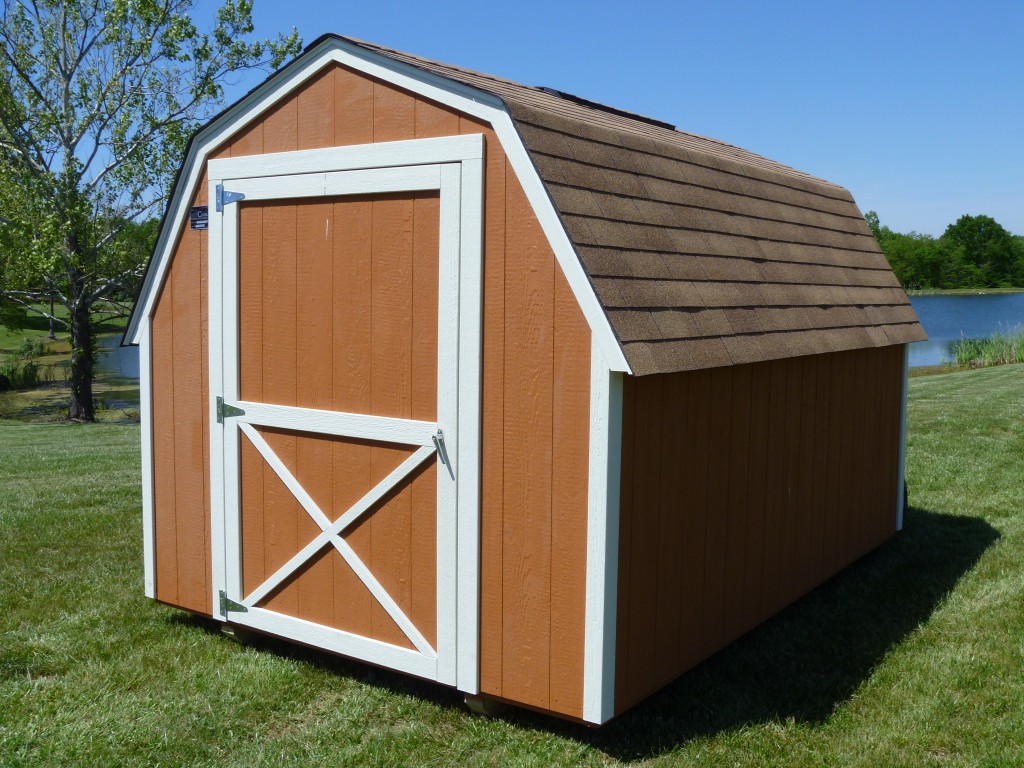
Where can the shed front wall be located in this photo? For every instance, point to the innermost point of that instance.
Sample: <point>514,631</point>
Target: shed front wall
<point>535,402</point>
<point>742,489</point>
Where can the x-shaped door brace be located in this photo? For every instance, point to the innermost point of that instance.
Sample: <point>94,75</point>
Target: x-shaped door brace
<point>331,532</point>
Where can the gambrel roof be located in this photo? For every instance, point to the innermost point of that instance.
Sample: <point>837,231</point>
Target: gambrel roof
<point>698,253</point>
<point>701,254</point>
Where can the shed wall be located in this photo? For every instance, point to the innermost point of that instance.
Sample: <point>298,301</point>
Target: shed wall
<point>742,489</point>
<point>535,410</point>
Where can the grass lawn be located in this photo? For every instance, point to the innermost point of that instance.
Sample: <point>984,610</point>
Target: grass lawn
<point>912,657</point>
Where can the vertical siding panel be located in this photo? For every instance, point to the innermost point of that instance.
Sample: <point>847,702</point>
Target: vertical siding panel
<point>202,407</point>
<point>833,475</point>
<point>820,464</point>
<point>250,329</point>
<point>807,517</point>
<point>248,141</point>
<point>281,511</point>
<point>314,385</point>
<point>776,487</point>
<point>627,516</point>
<point>695,495</point>
<point>434,120</point>
<point>789,522</point>
<point>280,128</point>
<point>644,577</point>
<point>353,108</point>
<point>493,416</point>
<point>423,490</point>
<point>529,280</point>
<point>394,114</point>
<point>847,508</point>
<point>757,482</point>
<point>316,109</point>
<point>391,385</point>
<point>351,332</point>
<point>569,470</point>
<point>193,560</point>
<point>280,134</point>
<point>719,475</point>
<point>165,504</point>
<point>738,518</point>
<point>672,510</point>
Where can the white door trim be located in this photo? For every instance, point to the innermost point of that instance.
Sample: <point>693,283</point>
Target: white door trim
<point>454,166</point>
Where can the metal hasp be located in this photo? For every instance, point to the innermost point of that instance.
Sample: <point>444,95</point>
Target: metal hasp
<point>225,411</point>
<point>224,197</point>
<point>227,604</point>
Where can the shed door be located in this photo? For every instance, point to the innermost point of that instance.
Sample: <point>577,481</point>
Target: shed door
<point>341,423</point>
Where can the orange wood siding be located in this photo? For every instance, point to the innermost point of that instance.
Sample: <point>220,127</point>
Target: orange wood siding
<point>743,488</point>
<point>535,409</point>
<point>181,447</point>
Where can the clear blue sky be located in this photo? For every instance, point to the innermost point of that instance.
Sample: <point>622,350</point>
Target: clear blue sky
<point>916,107</point>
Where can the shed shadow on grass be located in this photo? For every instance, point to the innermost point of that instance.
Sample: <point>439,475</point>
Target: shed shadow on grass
<point>800,665</point>
<point>811,658</point>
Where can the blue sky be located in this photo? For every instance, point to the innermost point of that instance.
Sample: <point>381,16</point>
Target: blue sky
<point>916,107</point>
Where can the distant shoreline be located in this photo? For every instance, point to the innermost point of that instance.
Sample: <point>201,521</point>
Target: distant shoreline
<point>961,291</point>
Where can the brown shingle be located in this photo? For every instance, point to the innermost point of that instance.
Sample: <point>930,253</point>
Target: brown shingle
<point>701,253</point>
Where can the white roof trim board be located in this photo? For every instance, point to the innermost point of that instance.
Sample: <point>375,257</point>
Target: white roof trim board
<point>456,95</point>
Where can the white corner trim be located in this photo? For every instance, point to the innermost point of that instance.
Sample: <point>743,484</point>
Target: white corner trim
<point>602,539</point>
<point>901,482</point>
<point>557,237</point>
<point>456,95</point>
<point>146,439</point>
<point>470,393</point>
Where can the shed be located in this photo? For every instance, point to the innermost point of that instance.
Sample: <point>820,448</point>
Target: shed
<point>504,388</point>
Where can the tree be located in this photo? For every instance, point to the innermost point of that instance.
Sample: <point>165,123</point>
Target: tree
<point>97,100</point>
<point>991,252</point>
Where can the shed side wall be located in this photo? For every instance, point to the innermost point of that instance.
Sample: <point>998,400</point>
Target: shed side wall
<point>743,488</point>
<point>535,409</point>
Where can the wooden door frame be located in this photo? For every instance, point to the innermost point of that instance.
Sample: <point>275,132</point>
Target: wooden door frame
<point>457,162</point>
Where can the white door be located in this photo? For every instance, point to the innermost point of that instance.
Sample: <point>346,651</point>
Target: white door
<point>348,402</point>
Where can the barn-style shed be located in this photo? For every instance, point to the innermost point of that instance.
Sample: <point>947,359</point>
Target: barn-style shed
<point>504,388</point>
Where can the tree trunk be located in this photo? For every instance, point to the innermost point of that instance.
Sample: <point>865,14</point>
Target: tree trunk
<point>53,323</point>
<point>81,406</point>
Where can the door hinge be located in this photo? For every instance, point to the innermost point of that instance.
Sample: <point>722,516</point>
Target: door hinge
<point>225,411</point>
<point>224,197</point>
<point>227,604</point>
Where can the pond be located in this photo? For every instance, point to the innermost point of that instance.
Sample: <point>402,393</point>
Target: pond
<point>949,318</point>
<point>122,362</point>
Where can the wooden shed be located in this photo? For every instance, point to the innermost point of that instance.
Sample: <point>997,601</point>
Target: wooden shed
<point>504,388</point>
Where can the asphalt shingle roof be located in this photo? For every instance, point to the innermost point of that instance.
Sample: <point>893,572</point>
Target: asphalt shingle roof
<point>702,254</point>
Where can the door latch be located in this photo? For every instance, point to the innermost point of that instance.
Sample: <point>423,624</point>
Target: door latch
<point>442,452</point>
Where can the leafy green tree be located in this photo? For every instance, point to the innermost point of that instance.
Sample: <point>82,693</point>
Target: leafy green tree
<point>989,252</point>
<point>97,100</point>
<point>975,252</point>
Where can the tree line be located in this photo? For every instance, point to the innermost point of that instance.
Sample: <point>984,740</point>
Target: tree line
<point>974,252</point>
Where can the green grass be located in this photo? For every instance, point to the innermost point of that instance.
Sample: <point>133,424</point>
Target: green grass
<point>912,657</point>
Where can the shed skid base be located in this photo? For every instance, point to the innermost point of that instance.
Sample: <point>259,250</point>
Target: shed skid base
<point>484,705</point>
<point>238,634</point>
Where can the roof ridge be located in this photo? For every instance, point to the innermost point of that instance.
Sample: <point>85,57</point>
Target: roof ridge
<point>634,120</point>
